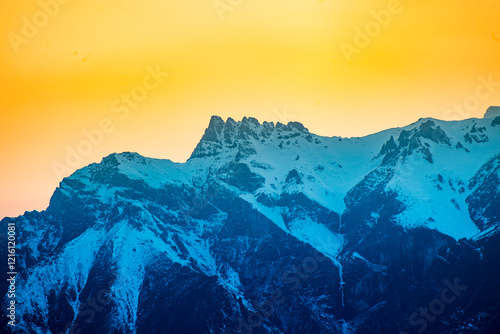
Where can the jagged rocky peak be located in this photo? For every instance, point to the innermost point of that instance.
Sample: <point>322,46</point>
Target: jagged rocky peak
<point>430,131</point>
<point>232,134</point>
<point>425,128</point>
<point>248,126</point>
<point>492,112</point>
<point>410,141</point>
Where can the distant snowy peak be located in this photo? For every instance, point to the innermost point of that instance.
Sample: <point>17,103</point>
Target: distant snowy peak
<point>242,139</point>
<point>231,135</point>
<point>420,136</point>
<point>410,140</point>
<point>119,171</point>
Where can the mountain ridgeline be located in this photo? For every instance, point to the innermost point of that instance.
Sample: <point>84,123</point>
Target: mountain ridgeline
<point>269,228</point>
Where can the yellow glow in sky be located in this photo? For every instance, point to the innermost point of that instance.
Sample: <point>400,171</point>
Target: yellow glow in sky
<point>348,68</point>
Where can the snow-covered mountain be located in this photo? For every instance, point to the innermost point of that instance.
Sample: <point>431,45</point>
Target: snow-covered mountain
<point>269,228</point>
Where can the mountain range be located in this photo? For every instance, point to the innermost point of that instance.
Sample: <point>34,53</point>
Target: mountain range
<point>269,228</point>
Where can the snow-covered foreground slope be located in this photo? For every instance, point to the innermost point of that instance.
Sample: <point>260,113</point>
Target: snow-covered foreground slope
<point>266,228</point>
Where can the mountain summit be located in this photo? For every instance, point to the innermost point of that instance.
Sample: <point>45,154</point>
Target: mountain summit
<point>228,135</point>
<point>269,228</point>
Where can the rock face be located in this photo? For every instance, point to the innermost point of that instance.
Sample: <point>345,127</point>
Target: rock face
<point>268,228</point>
<point>492,112</point>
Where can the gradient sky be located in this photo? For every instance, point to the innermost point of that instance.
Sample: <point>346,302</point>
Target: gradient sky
<point>275,60</point>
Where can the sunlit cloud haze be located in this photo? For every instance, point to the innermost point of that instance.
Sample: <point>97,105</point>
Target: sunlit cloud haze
<point>66,67</point>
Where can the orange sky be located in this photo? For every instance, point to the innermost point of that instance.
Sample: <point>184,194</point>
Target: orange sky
<point>67,72</point>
